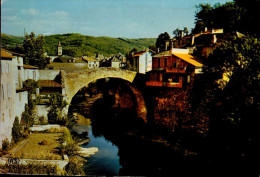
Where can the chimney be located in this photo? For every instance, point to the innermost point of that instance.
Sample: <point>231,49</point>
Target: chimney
<point>214,39</point>
<point>182,33</point>
<point>192,39</point>
<point>158,50</point>
<point>166,45</point>
<point>171,44</point>
<point>213,30</point>
<point>205,29</point>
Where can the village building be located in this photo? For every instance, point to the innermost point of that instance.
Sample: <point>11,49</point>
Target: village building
<point>91,62</point>
<point>140,61</point>
<point>7,96</point>
<point>173,68</point>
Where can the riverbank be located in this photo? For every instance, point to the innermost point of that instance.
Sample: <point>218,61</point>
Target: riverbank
<point>41,149</point>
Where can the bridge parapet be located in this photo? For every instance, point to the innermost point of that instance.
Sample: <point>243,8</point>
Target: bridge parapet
<point>74,81</point>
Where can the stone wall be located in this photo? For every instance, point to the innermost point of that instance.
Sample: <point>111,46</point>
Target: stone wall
<point>48,74</point>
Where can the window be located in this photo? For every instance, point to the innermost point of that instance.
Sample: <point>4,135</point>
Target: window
<point>20,97</point>
<point>155,77</point>
<point>159,61</point>
<point>158,77</point>
<point>9,90</point>
<point>174,65</point>
<point>3,92</point>
<point>7,68</point>
<point>34,75</point>
<point>165,62</point>
<point>2,67</point>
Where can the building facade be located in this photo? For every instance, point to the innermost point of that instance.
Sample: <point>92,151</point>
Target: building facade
<point>173,68</point>
<point>141,61</point>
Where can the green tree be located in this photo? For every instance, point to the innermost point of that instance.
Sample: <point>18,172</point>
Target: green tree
<point>33,49</point>
<point>57,104</point>
<point>162,38</point>
<point>231,84</point>
<point>16,130</point>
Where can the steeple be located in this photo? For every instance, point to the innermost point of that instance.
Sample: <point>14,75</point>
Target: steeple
<point>59,49</point>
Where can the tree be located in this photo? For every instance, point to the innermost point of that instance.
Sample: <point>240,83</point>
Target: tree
<point>162,38</point>
<point>232,79</point>
<point>232,16</point>
<point>16,130</point>
<point>33,49</point>
<point>56,107</point>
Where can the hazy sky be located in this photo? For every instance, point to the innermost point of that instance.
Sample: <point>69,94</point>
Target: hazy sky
<point>114,18</point>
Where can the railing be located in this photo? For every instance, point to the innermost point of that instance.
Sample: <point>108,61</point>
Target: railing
<point>171,69</point>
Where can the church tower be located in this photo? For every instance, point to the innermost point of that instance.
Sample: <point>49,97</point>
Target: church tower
<point>59,49</point>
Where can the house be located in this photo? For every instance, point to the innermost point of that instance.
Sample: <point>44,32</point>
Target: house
<point>173,68</point>
<point>91,62</point>
<point>8,94</point>
<point>140,61</point>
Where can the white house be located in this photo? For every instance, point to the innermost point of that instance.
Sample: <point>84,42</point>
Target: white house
<point>141,61</point>
<point>7,96</point>
<point>92,62</point>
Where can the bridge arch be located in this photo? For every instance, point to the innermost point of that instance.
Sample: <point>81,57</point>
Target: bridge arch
<point>74,81</point>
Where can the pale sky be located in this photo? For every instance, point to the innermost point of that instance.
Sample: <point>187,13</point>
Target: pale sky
<point>113,18</point>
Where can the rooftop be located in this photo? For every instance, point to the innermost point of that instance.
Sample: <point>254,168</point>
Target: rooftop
<point>49,83</point>
<point>4,54</point>
<point>29,67</point>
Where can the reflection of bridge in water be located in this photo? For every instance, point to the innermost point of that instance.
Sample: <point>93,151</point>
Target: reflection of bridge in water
<point>74,81</point>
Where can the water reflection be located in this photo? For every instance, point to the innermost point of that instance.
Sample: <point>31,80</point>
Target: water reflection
<point>106,160</point>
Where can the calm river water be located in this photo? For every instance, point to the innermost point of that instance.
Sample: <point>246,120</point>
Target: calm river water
<point>124,155</point>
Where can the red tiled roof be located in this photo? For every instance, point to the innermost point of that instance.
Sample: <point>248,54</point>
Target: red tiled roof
<point>189,58</point>
<point>29,67</point>
<point>4,54</point>
<point>48,83</point>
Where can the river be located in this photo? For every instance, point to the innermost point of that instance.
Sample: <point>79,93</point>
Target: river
<point>126,155</point>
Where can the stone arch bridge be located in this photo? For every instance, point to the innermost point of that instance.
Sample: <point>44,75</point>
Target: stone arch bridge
<point>74,81</point>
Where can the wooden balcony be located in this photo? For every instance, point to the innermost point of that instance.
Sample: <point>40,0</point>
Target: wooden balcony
<point>175,70</point>
<point>174,84</point>
<point>154,83</point>
<point>164,84</point>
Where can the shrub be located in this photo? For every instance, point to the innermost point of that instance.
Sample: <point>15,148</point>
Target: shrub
<point>5,145</point>
<point>16,130</point>
<point>44,142</point>
<point>74,167</point>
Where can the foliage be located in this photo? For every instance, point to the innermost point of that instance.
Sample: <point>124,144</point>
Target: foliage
<point>16,130</point>
<point>5,145</point>
<point>27,119</point>
<point>177,32</point>
<point>77,45</point>
<point>74,167</point>
<point>33,50</point>
<point>32,168</point>
<point>231,84</point>
<point>232,16</point>
<point>162,38</point>
<point>57,104</point>
<point>67,144</point>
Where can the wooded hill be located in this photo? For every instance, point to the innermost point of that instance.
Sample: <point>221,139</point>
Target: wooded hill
<point>75,44</point>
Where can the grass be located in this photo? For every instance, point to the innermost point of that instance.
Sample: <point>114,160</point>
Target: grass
<point>34,149</point>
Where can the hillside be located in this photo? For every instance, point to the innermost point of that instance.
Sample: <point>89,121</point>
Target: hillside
<point>74,44</point>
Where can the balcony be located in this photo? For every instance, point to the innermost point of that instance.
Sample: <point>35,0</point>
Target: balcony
<point>174,84</point>
<point>154,83</point>
<point>175,70</point>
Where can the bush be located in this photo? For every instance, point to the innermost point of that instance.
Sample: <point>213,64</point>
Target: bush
<point>5,145</point>
<point>44,142</point>
<point>16,130</point>
<point>74,167</point>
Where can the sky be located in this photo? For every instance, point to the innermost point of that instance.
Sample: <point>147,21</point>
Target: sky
<point>113,18</point>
